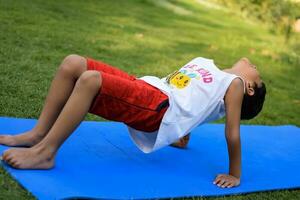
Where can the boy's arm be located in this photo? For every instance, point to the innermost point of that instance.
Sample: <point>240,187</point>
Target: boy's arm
<point>233,104</point>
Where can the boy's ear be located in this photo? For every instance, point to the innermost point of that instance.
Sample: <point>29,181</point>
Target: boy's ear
<point>249,89</point>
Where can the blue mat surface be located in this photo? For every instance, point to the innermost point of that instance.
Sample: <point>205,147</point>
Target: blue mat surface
<point>100,161</point>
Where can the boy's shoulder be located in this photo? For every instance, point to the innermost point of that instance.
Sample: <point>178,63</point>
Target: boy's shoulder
<point>235,91</point>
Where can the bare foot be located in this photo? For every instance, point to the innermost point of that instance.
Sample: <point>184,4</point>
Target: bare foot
<point>26,139</point>
<point>29,158</point>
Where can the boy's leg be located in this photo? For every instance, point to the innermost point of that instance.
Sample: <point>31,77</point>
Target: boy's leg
<point>60,90</point>
<point>41,156</point>
<point>108,69</point>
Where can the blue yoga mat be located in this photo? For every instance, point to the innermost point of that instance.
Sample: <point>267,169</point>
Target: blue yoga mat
<point>100,161</point>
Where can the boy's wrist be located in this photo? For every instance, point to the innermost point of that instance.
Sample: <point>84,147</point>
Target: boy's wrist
<point>236,175</point>
<point>235,170</point>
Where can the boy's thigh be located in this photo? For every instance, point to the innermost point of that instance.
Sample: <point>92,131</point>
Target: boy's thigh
<point>103,67</point>
<point>134,102</point>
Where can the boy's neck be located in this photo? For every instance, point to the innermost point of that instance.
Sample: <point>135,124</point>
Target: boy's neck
<point>235,72</point>
<point>231,71</point>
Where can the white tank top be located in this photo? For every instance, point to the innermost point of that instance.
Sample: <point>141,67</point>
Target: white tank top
<point>196,92</point>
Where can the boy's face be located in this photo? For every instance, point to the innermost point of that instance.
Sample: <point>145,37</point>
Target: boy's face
<point>249,73</point>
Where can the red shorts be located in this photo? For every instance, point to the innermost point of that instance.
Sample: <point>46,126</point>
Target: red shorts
<point>125,98</point>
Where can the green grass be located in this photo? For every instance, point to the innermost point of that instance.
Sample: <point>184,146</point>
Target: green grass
<point>142,37</point>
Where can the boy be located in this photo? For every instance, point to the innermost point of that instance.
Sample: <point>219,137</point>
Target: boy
<point>157,111</point>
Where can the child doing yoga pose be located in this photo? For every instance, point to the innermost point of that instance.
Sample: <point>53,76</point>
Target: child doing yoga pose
<point>158,112</point>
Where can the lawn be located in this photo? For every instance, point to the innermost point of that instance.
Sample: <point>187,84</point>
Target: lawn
<point>142,37</point>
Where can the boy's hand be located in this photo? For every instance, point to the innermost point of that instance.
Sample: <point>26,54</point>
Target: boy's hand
<point>226,181</point>
<point>182,142</point>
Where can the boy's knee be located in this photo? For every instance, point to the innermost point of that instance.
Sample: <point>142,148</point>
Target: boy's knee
<point>73,65</point>
<point>90,80</point>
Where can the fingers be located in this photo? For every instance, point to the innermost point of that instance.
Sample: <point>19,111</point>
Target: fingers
<point>186,138</point>
<point>225,181</point>
<point>221,183</point>
<point>218,179</point>
<point>226,184</point>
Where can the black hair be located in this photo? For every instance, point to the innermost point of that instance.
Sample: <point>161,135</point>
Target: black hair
<point>252,105</point>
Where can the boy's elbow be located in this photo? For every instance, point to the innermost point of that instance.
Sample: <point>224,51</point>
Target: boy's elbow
<point>233,135</point>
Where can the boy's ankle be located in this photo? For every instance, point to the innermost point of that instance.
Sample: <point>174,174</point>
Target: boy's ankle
<point>42,148</point>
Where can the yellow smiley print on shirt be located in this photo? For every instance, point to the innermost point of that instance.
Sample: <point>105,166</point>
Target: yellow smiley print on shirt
<point>180,80</point>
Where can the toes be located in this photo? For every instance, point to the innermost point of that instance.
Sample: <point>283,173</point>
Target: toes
<point>15,164</point>
<point>8,159</point>
<point>7,155</point>
<point>11,162</point>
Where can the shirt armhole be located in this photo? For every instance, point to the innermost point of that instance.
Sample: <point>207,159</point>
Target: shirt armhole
<point>243,83</point>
